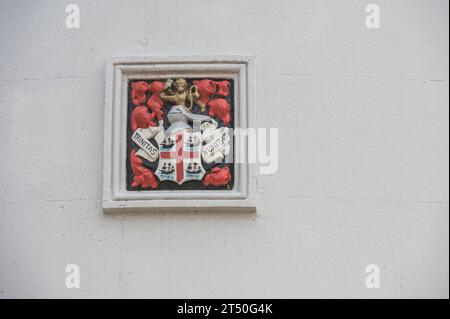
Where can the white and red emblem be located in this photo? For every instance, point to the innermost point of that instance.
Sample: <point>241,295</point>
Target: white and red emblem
<point>180,158</point>
<point>178,150</point>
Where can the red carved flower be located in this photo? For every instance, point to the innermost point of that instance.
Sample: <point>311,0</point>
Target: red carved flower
<point>221,109</point>
<point>141,118</point>
<point>206,89</point>
<point>223,88</point>
<point>217,177</point>
<point>143,176</point>
<point>138,90</point>
<point>155,103</point>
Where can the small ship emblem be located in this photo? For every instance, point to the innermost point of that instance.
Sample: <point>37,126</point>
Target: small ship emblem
<point>167,168</point>
<point>168,143</point>
<point>193,168</point>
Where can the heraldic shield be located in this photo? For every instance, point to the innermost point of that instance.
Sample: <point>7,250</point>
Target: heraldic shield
<point>180,158</point>
<point>179,134</point>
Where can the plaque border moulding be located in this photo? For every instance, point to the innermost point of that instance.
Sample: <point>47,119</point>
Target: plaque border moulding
<point>116,198</point>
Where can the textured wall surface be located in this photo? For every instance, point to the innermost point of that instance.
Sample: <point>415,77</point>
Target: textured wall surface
<point>363,162</point>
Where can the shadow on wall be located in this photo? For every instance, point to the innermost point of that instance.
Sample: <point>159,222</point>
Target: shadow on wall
<point>179,216</point>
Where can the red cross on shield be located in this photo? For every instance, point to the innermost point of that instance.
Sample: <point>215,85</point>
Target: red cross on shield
<point>180,158</point>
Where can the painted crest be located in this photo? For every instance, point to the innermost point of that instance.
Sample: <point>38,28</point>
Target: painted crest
<point>173,139</point>
<point>180,158</point>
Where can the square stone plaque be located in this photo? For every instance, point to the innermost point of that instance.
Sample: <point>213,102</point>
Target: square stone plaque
<point>169,141</point>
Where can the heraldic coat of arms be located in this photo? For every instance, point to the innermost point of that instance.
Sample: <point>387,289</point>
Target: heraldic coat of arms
<point>179,134</point>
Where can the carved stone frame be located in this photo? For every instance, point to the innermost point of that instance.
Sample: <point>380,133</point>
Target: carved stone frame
<point>118,71</point>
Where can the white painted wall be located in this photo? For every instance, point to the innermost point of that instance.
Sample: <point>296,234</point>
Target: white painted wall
<point>363,177</point>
